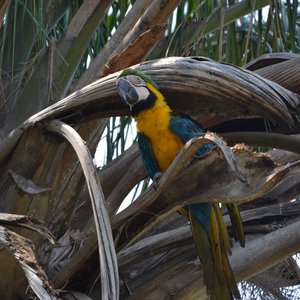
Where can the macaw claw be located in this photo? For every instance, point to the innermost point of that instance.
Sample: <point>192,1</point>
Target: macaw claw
<point>155,179</point>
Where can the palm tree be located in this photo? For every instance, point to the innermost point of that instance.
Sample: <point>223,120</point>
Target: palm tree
<point>52,56</point>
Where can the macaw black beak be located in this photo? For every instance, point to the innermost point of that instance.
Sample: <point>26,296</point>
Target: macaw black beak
<point>127,92</point>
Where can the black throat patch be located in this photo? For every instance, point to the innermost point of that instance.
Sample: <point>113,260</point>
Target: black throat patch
<point>142,105</point>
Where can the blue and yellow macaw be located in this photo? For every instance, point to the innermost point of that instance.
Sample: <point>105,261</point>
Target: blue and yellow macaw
<point>161,135</point>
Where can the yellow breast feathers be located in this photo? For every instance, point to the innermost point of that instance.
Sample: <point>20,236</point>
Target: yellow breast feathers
<point>154,123</point>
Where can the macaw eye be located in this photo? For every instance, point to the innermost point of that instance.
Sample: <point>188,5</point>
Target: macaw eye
<point>135,80</point>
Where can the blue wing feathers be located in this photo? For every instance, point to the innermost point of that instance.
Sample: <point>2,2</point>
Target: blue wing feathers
<point>186,128</point>
<point>202,212</point>
<point>148,158</point>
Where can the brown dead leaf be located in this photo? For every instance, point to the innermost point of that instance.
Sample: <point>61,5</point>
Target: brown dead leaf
<point>27,185</point>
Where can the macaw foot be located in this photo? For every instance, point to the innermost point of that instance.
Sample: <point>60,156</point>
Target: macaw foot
<point>155,179</point>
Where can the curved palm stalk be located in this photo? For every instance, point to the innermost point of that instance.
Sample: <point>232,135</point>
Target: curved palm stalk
<point>270,59</point>
<point>285,240</point>
<point>107,255</point>
<point>248,91</point>
<point>264,139</point>
<point>239,93</point>
<point>244,88</point>
<point>282,68</point>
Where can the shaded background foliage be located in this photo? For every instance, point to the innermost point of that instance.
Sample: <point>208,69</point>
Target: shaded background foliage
<point>49,49</point>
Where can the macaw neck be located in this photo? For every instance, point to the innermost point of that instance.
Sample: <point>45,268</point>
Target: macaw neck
<point>143,105</point>
<point>154,98</point>
<point>156,118</point>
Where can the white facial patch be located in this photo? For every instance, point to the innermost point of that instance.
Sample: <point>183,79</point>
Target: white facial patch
<point>143,92</point>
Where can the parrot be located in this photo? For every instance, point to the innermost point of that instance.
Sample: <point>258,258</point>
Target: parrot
<point>161,135</point>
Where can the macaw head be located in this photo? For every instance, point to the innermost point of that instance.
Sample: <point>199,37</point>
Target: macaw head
<point>136,89</point>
